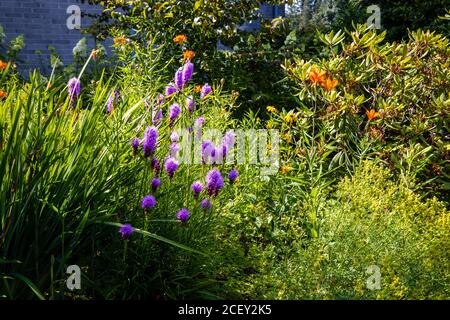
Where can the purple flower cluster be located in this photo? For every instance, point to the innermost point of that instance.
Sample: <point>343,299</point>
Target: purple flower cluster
<point>197,187</point>
<point>183,215</point>
<point>214,182</point>
<point>135,143</point>
<point>150,141</point>
<point>174,113</point>
<point>171,165</point>
<point>126,231</point>
<point>155,184</point>
<point>74,88</point>
<point>114,97</point>
<point>206,205</point>
<point>148,202</point>
<point>206,90</point>
<point>155,165</point>
<point>190,104</point>
<point>233,175</point>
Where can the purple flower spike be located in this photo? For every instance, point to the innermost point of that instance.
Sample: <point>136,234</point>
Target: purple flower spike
<point>208,150</point>
<point>174,112</point>
<point>155,184</point>
<point>156,167</point>
<point>228,139</point>
<point>157,118</point>
<point>171,165</point>
<point>148,202</point>
<point>197,187</point>
<point>160,99</point>
<point>199,122</point>
<point>74,88</point>
<point>188,71</point>
<point>179,79</point>
<point>206,90</point>
<point>150,140</point>
<point>174,137</point>
<point>183,215</point>
<point>111,100</point>
<point>214,182</point>
<point>170,90</point>
<point>190,104</point>
<point>126,231</point>
<point>233,175</point>
<point>135,143</point>
<point>206,205</point>
<point>174,149</point>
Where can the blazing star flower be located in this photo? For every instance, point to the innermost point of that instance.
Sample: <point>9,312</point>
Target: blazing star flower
<point>126,231</point>
<point>183,215</point>
<point>214,182</point>
<point>179,78</point>
<point>135,143</point>
<point>207,150</point>
<point>233,175</point>
<point>190,104</point>
<point>160,99</point>
<point>171,165</point>
<point>197,187</point>
<point>148,202</point>
<point>174,149</point>
<point>170,89</point>
<point>150,140</point>
<point>188,71</point>
<point>174,137</point>
<point>206,90</point>
<point>74,88</point>
<point>228,139</point>
<point>174,112</point>
<point>157,118</point>
<point>155,184</point>
<point>156,167</point>
<point>198,126</point>
<point>206,205</point>
<point>112,98</point>
<point>199,122</point>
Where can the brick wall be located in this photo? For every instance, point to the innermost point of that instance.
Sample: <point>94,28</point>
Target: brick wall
<point>43,23</point>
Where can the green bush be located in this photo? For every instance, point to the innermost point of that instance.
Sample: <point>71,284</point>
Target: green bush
<point>370,220</point>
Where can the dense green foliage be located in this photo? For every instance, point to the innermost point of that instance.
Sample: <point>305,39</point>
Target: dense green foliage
<point>363,180</point>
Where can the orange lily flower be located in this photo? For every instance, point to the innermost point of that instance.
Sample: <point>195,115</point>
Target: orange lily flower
<point>317,75</point>
<point>372,114</point>
<point>188,55</point>
<point>329,84</point>
<point>3,94</point>
<point>198,88</point>
<point>3,65</point>
<point>180,38</point>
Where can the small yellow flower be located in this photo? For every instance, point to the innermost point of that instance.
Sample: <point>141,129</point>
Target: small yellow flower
<point>290,118</point>
<point>286,169</point>
<point>272,109</point>
<point>269,125</point>
<point>120,41</point>
<point>288,138</point>
<point>198,88</point>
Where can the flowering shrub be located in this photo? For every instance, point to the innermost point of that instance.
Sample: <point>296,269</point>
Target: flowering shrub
<point>372,99</point>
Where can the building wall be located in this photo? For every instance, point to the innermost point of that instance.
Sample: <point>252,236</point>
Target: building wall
<point>43,23</point>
